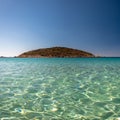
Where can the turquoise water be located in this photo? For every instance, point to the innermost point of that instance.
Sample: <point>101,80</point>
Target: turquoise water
<point>60,89</point>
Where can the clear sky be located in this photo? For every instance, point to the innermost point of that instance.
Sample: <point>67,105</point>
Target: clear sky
<point>90,25</point>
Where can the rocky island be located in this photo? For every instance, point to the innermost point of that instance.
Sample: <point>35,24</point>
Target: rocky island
<point>59,52</point>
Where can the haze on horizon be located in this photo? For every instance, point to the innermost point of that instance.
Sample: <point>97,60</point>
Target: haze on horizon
<point>90,25</point>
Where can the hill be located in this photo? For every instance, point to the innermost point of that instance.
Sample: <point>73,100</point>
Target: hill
<point>55,52</point>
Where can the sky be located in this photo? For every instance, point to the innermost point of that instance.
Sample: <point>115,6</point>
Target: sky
<point>90,25</point>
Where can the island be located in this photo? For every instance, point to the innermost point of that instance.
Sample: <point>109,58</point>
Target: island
<point>57,52</point>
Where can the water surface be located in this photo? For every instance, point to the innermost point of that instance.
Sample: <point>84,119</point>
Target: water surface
<point>59,88</point>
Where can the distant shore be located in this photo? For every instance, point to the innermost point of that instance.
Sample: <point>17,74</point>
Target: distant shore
<point>56,52</point>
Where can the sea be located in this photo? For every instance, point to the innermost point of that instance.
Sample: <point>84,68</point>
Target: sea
<point>59,88</point>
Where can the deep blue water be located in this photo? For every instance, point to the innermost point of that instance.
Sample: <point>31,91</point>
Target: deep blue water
<point>59,88</point>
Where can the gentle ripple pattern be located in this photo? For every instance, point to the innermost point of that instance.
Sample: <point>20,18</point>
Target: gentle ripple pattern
<point>60,88</point>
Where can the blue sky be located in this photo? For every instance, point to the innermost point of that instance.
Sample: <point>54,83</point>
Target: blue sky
<point>90,25</point>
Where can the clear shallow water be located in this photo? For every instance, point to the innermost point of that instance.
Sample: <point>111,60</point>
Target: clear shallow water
<point>60,89</point>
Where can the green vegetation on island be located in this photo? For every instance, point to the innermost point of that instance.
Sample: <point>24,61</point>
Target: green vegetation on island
<point>56,52</point>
